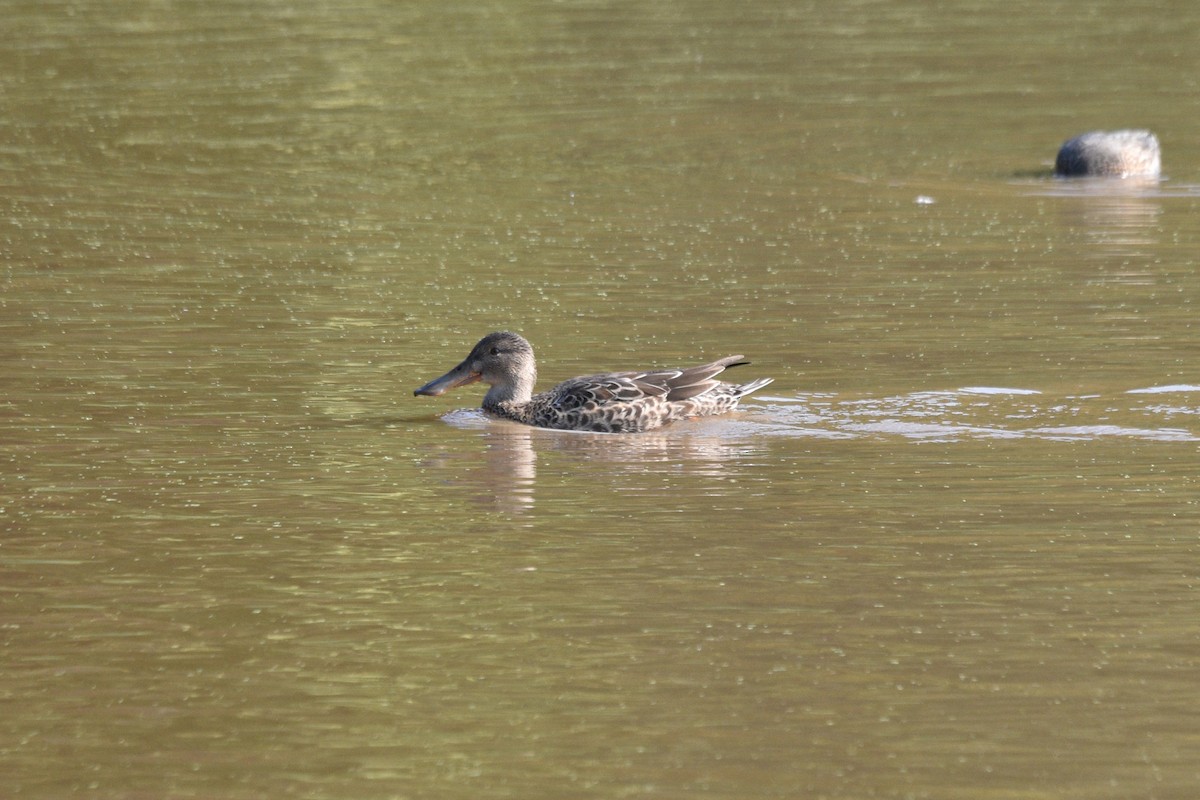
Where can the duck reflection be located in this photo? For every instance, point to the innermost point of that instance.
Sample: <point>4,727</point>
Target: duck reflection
<point>1119,217</point>
<point>509,467</point>
<point>505,477</point>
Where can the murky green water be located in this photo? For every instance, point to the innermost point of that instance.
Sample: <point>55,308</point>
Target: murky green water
<point>951,552</point>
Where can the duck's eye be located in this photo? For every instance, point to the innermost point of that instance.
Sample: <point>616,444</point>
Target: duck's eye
<point>495,351</point>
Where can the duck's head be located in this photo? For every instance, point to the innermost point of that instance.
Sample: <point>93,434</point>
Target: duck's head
<point>503,360</point>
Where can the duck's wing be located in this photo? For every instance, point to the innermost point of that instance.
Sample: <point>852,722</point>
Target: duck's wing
<point>611,388</point>
<point>631,387</point>
<point>695,381</point>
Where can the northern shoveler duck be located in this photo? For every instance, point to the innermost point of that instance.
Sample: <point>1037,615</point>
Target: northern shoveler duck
<point>1114,154</point>
<point>615,402</point>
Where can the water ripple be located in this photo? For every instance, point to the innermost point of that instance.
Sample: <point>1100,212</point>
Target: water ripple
<point>976,412</point>
<point>987,413</point>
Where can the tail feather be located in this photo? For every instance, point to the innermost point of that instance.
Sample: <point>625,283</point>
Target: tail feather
<point>752,386</point>
<point>697,380</point>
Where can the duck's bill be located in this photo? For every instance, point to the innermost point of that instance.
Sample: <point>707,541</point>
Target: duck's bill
<point>459,376</point>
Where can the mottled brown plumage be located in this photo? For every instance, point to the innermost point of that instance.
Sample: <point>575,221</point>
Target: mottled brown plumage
<point>614,402</point>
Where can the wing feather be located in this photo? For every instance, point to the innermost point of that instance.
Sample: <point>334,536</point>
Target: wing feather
<point>631,387</point>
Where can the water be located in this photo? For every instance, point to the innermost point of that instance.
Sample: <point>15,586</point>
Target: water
<point>949,552</point>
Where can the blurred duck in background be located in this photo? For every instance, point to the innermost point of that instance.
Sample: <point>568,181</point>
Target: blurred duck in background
<point>1113,154</point>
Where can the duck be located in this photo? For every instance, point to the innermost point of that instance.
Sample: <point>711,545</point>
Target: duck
<point>612,402</point>
<point>1113,154</point>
